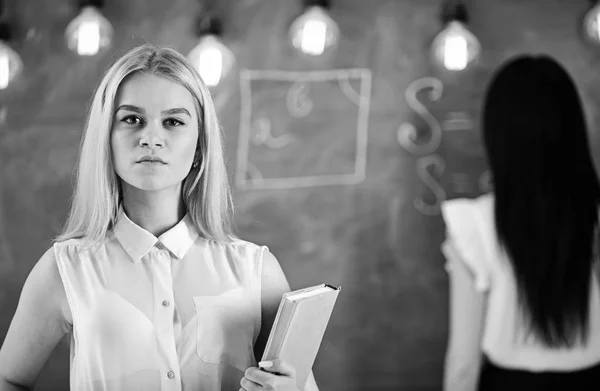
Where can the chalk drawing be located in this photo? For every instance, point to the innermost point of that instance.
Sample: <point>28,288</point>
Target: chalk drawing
<point>425,143</point>
<point>457,120</point>
<point>263,136</point>
<point>424,164</point>
<point>298,102</point>
<point>407,133</point>
<point>460,183</point>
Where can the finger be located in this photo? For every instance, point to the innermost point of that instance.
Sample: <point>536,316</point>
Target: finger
<point>278,366</point>
<point>248,385</point>
<point>257,376</point>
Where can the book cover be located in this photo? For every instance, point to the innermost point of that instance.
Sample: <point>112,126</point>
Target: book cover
<point>299,327</point>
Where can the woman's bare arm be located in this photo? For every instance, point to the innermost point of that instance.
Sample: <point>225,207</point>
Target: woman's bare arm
<point>41,320</point>
<point>467,313</point>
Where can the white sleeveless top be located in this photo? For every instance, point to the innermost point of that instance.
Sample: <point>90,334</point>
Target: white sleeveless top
<point>177,312</point>
<point>472,234</point>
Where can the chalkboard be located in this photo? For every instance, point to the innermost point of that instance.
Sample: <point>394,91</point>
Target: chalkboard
<point>338,165</point>
<point>302,129</point>
<point>442,178</point>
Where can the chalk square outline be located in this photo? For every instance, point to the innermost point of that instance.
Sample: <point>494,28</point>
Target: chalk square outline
<point>246,78</point>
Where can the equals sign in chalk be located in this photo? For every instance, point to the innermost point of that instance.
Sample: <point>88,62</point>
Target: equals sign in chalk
<point>457,120</point>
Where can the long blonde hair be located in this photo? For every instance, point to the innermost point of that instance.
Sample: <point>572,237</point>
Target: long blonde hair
<point>97,197</point>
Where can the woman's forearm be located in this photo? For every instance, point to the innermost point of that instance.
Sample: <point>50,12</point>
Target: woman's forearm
<point>461,376</point>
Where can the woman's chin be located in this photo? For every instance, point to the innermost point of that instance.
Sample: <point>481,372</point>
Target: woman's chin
<point>152,184</point>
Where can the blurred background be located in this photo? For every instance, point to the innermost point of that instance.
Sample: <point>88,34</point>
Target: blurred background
<point>346,123</point>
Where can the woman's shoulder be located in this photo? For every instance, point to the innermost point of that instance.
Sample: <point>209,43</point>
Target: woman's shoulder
<point>74,250</point>
<point>236,249</point>
<point>83,244</point>
<point>467,213</point>
<point>469,233</point>
<point>483,202</point>
<point>470,220</point>
<point>72,243</point>
<point>236,244</point>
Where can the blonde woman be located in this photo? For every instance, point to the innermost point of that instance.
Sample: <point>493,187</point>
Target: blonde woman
<point>147,277</point>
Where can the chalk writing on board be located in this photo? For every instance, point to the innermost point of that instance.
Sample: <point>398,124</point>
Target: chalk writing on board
<point>431,180</point>
<point>263,135</point>
<point>430,170</point>
<point>457,120</point>
<point>431,167</point>
<point>408,134</point>
<point>460,182</point>
<point>298,102</point>
<point>303,129</point>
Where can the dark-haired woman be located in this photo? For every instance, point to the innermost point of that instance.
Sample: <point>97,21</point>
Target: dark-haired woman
<point>524,273</point>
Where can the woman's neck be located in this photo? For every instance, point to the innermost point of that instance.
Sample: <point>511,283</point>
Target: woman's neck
<point>156,211</point>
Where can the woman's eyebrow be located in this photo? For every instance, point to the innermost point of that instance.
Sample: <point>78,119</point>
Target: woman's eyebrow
<point>139,110</point>
<point>133,108</point>
<point>177,110</point>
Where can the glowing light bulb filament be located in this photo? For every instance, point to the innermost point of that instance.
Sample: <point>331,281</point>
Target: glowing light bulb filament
<point>314,32</point>
<point>4,72</point>
<point>456,56</point>
<point>210,65</point>
<point>88,39</point>
<point>314,37</point>
<point>597,26</point>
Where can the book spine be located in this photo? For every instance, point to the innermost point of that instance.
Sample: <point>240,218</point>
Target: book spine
<point>284,314</point>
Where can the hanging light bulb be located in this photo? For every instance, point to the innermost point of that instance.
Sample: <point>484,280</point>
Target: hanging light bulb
<point>455,47</point>
<point>591,23</point>
<point>11,64</point>
<point>211,57</point>
<point>89,32</point>
<point>314,31</point>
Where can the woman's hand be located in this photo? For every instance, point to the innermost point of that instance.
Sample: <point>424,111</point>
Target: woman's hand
<point>276,376</point>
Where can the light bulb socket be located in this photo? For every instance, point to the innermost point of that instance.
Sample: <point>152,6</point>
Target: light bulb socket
<point>5,34</point>
<point>91,3</point>
<point>208,25</point>
<point>317,3</point>
<point>454,10</point>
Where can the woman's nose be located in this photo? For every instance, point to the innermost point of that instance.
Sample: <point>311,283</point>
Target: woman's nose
<point>152,137</point>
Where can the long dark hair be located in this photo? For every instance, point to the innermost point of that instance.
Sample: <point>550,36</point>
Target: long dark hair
<point>546,194</point>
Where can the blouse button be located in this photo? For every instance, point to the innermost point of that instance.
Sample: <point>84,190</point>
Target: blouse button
<point>165,303</point>
<point>170,374</point>
<point>160,246</point>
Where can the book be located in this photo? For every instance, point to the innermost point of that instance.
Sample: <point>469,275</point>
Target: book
<point>299,326</point>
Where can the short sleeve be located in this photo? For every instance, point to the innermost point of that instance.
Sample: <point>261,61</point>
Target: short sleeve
<point>465,241</point>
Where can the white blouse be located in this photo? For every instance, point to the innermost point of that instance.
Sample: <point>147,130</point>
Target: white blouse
<point>471,233</point>
<point>177,312</point>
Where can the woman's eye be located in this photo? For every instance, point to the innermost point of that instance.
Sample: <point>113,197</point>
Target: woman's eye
<point>132,120</point>
<point>172,122</point>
